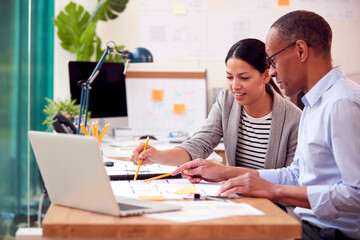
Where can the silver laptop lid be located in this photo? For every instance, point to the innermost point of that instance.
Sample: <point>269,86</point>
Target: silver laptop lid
<point>72,171</point>
<point>74,175</point>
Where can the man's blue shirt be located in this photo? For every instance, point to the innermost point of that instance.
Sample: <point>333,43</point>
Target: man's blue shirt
<point>327,158</point>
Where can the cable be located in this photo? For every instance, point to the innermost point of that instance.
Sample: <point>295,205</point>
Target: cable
<point>42,196</point>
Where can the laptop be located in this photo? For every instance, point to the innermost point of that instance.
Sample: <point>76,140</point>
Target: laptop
<point>74,175</point>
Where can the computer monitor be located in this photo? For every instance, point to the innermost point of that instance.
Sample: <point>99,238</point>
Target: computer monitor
<point>107,100</point>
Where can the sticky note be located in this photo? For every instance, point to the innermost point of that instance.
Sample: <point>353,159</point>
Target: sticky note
<point>284,2</point>
<point>186,190</point>
<point>152,198</point>
<point>179,108</point>
<point>157,95</point>
<point>179,8</point>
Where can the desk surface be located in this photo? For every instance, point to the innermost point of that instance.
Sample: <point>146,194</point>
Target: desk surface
<point>63,222</point>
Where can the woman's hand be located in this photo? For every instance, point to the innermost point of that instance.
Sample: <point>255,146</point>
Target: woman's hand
<point>149,155</point>
<point>200,169</point>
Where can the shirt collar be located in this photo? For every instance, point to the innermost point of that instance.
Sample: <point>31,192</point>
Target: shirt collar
<point>319,89</point>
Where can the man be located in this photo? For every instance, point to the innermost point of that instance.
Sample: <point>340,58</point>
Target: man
<point>323,182</point>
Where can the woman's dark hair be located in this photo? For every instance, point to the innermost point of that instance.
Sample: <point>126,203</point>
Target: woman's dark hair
<point>253,52</point>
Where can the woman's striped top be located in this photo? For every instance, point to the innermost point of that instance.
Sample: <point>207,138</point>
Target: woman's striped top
<point>253,139</point>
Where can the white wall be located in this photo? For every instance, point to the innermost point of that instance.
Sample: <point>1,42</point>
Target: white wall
<point>125,30</point>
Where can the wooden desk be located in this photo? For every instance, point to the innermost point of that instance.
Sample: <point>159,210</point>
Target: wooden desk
<point>63,222</point>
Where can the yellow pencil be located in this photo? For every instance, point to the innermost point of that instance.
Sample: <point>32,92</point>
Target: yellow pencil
<point>84,129</point>
<point>157,177</point>
<point>102,134</point>
<point>94,130</point>
<point>96,134</point>
<point>137,171</point>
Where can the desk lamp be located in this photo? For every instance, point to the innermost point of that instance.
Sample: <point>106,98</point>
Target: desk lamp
<point>137,55</point>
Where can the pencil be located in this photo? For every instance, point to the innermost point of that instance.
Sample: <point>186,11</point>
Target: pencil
<point>102,134</point>
<point>157,177</point>
<point>93,129</point>
<point>84,129</point>
<point>137,171</point>
<point>96,134</point>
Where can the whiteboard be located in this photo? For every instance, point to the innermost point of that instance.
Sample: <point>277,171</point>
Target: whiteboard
<point>163,102</point>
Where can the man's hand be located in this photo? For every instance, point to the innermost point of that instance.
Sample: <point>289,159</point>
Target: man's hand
<point>249,184</point>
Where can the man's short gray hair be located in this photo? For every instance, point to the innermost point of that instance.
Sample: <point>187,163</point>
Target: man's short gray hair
<point>307,26</point>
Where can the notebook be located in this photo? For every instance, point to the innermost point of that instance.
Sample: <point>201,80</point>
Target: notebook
<point>74,175</point>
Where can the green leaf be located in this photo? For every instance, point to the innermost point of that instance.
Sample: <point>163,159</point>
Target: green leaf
<point>108,9</point>
<point>99,52</point>
<point>76,28</point>
<point>71,24</point>
<point>87,40</point>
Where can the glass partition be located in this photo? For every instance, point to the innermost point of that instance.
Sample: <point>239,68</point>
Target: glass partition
<point>26,78</point>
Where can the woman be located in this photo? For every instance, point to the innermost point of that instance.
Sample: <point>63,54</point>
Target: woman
<point>258,125</point>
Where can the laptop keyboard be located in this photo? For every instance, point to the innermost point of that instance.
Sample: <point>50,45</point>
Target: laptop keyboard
<point>124,207</point>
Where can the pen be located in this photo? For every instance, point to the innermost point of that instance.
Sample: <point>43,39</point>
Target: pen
<point>137,172</point>
<point>157,177</point>
<point>215,199</point>
<point>197,196</point>
<point>84,129</point>
<point>102,134</point>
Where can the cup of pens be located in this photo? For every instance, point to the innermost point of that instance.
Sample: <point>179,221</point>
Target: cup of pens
<point>95,131</point>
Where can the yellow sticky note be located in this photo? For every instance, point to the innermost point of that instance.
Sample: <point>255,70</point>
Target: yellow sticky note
<point>186,190</point>
<point>284,2</point>
<point>179,8</point>
<point>152,198</point>
<point>157,95</point>
<point>179,108</point>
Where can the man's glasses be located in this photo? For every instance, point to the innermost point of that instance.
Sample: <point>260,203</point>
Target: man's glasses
<point>270,59</point>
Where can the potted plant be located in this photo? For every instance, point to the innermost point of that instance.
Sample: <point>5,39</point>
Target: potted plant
<point>66,107</point>
<point>77,29</point>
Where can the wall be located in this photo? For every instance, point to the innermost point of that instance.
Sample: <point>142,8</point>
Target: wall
<point>125,30</point>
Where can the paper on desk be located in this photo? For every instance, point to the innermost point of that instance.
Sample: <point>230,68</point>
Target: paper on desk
<point>161,187</point>
<point>188,189</point>
<point>204,210</point>
<point>128,168</point>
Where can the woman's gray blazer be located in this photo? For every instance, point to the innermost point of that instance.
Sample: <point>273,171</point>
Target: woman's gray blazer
<point>223,121</point>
